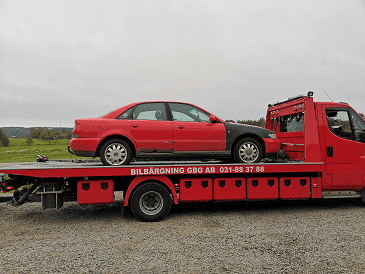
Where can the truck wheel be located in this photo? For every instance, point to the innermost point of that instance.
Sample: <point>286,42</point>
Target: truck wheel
<point>248,150</point>
<point>115,152</point>
<point>151,202</point>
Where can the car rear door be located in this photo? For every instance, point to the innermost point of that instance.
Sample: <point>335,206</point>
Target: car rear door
<point>149,129</point>
<point>193,132</point>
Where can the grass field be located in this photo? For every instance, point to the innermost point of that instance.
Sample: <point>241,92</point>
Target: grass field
<point>19,151</point>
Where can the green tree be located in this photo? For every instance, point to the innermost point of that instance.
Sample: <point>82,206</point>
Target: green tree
<point>260,122</point>
<point>29,141</point>
<point>35,132</point>
<point>3,139</point>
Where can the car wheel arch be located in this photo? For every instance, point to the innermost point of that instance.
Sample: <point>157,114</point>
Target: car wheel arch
<point>257,138</point>
<point>116,137</point>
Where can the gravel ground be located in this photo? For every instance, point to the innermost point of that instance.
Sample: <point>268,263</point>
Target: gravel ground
<point>257,237</point>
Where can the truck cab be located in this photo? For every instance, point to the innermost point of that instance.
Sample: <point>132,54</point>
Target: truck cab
<point>328,132</point>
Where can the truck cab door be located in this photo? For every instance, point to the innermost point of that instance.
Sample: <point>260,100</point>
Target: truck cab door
<point>344,138</point>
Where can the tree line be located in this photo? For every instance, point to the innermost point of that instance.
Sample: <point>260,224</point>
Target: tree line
<point>38,133</point>
<point>49,134</point>
<point>260,122</point>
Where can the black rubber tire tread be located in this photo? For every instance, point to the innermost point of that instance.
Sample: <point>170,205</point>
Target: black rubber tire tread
<point>122,142</point>
<point>236,156</point>
<point>150,186</point>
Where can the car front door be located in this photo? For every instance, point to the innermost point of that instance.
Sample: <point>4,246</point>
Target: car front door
<point>193,132</point>
<point>149,129</point>
<point>344,136</point>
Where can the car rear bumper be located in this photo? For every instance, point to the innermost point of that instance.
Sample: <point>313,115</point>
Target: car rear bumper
<point>84,146</point>
<point>84,153</point>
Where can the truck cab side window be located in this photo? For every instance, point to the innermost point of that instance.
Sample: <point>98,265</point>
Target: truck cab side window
<point>339,123</point>
<point>292,123</point>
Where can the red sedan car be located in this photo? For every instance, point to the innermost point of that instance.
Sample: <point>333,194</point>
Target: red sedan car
<point>168,130</point>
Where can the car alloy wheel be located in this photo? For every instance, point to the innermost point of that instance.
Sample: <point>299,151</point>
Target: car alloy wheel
<point>248,150</point>
<point>115,153</point>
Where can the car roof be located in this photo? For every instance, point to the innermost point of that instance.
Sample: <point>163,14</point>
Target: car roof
<point>120,110</point>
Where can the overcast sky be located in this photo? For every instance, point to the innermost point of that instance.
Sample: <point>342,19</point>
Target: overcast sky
<point>62,60</point>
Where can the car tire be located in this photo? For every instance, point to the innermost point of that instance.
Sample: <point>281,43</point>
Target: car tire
<point>151,202</point>
<point>248,150</point>
<point>115,152</point>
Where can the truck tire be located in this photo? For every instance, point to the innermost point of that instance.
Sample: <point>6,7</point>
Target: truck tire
<point>151,202</point>
<point>115,152</point>
<point>248,150</point>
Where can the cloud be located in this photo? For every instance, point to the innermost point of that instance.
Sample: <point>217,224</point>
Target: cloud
<point>83,58</point>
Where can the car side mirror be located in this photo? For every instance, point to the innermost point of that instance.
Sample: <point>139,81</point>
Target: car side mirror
<point>212,119</point>
<point>362,137</point>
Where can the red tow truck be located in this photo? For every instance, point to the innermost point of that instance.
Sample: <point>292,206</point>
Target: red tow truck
<point>322,155</point>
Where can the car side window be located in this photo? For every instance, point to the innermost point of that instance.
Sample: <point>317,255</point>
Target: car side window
<point>126,114</point>
<point>339,123</point>
<point>150,111</point>
<point>188,113</point>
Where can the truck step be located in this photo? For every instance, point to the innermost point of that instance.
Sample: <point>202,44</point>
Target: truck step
<point>340,194</point>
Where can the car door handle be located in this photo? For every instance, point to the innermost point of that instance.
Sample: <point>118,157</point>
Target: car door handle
<point>134,125</point>
<point>181,127</point>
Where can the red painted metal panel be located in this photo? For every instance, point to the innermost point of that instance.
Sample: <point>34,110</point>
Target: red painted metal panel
<point>271,145</point>
<point>311,128</point>
<point>196,189</point>
<point>199,136</point>
<point>316,187</point>
<point>84,144</point>
<point>262,188</point>
<point>229,189</point>
<point>150,136</point>
<point>295,188</point>
<point>91,192</point>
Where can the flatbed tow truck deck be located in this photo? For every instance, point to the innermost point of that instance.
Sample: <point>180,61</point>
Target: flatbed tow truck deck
<point>56,169</point>
<point>55,182</point>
